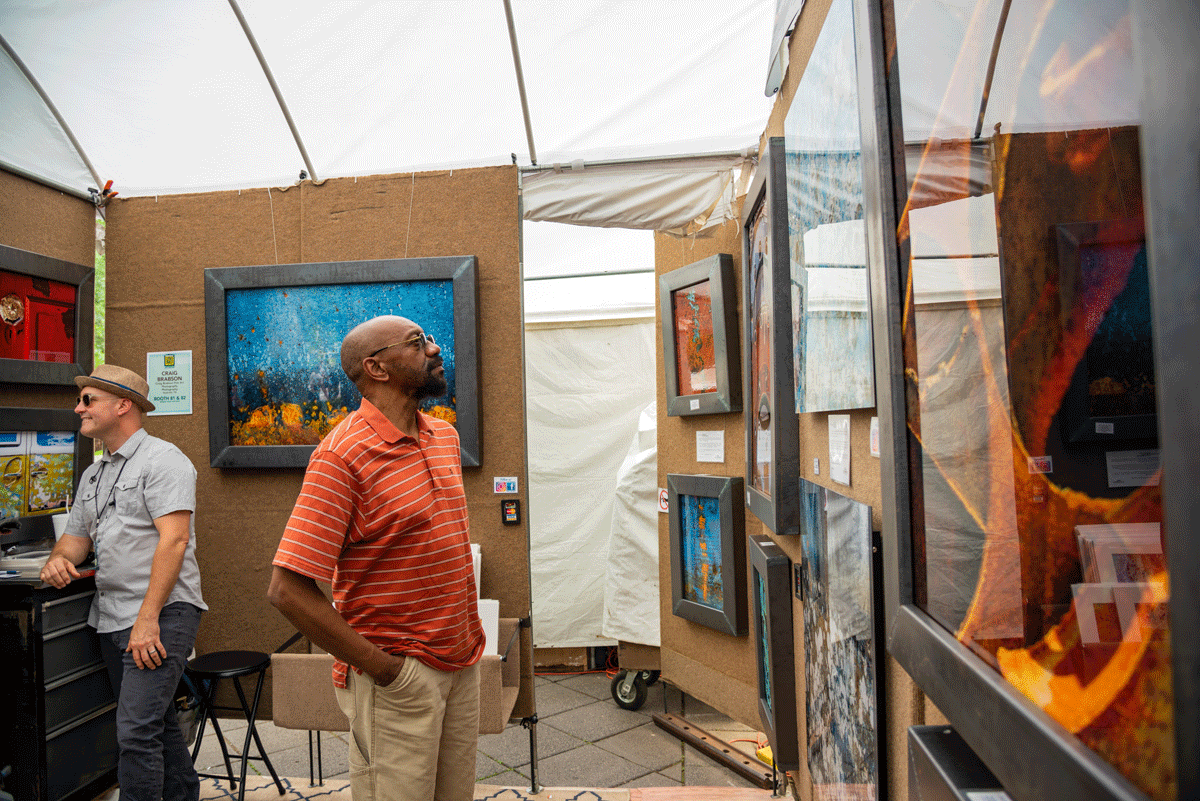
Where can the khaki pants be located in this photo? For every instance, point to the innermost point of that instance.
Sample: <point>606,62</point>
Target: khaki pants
<point>415,739</point>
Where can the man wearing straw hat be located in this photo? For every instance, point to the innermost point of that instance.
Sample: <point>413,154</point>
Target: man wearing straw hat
<point>134,508</point>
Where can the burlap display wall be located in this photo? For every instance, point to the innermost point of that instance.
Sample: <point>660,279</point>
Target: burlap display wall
<point>715,667</point>
<point>158,249</point>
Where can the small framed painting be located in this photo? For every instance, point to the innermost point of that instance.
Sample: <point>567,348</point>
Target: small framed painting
<point>708,551</point>
<point>698,306</point>
<point>1112,395</point>
<point>771,588</point>
<point>45,318</point>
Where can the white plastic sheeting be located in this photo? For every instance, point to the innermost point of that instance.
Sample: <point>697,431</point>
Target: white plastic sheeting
<point>631,590</point>
<point>169,97</point>
<point>585,388</point>
<point>679,196</point>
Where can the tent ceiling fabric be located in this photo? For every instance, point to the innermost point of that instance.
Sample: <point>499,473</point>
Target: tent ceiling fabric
<point>169,97</point>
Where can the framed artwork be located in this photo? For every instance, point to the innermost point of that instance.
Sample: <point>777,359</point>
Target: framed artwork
<point>41,457</point>
<point>772,450</point>
<point>838,584</point>
<point>274,333</point>
<point>1020,682</point>
<point>46,318</point>
<point>827,235</point>
<point>698,307</point>
<point>708,551</point>
<point>1112,392</point>
<point>770,587</point>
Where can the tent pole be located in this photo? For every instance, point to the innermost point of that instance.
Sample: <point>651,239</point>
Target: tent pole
<point>287,115</point>
<point>721,155</point>
<point>512,38</point>
<point>53,109</point>
<point>991,69</point>
<point>588,275</point>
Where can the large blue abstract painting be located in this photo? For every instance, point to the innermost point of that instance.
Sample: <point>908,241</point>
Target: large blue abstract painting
<point>286,385</point>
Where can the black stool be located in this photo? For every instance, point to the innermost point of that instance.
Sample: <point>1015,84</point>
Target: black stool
<point>206,673</point>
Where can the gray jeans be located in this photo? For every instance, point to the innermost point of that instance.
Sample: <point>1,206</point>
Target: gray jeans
<point>154,764</point>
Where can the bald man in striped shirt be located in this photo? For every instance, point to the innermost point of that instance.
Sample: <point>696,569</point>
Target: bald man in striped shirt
<point>382,518</point>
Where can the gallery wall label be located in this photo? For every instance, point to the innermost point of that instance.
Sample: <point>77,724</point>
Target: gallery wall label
<point>169,374</point>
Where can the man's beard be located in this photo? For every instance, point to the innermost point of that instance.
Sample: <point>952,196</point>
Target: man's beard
<point>435,386</point>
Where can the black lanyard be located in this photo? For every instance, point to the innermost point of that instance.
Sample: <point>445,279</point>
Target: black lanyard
<point>111,490</point>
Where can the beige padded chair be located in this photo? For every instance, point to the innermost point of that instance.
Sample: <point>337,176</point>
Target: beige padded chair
<point>302,697</point>
<point>500,680</point>
<point>302,694</point>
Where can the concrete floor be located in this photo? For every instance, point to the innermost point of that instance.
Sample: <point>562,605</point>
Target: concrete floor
<point>583,740</point>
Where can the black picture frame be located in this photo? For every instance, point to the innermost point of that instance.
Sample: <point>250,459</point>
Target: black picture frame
<point>460,270</point>
<point>769,390</point>
<point>771,591</point>
<point>718,272</point>
<point>1104,362</point>
<point>729,616</point>
<point>39,526</point>
<point>83,278</point>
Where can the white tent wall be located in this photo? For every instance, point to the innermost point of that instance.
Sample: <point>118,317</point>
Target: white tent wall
<point>585,387</point>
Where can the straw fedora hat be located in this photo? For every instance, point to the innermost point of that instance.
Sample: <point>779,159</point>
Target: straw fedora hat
<point>120,382</point>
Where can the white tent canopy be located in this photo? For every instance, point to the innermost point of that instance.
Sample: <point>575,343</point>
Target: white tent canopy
<point>170,97</point>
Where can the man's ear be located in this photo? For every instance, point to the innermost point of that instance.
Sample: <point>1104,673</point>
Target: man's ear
<point>373,368</point>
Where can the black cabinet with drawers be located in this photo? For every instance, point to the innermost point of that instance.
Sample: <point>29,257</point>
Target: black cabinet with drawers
<point>59,732</point>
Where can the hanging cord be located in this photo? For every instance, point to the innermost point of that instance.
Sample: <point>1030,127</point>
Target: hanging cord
<point>411,192</point>
<point>274,238</point>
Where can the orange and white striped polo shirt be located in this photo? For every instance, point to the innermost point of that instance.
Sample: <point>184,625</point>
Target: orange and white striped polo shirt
<point>383,519</point>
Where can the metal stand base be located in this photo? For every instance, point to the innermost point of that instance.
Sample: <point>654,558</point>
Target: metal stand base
<point>531,724</point>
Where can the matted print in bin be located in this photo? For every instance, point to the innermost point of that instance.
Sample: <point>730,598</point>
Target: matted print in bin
<point>827,233</point>
<point>275,382</point>
<point>698,306</point>
<point>708,551</point>
<point>837,585</point>
<point>771,589</point>
<point>41,455</point>
<point>45,318</point>
<point>772,451</point>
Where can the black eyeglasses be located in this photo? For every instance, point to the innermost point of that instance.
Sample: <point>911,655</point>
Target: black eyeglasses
<point>86,400</point>
<point>425,339</point>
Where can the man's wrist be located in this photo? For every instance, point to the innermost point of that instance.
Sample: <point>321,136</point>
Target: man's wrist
<point>395,663</point>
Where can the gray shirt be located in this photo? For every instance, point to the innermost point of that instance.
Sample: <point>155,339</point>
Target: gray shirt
<point>118,499</point>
